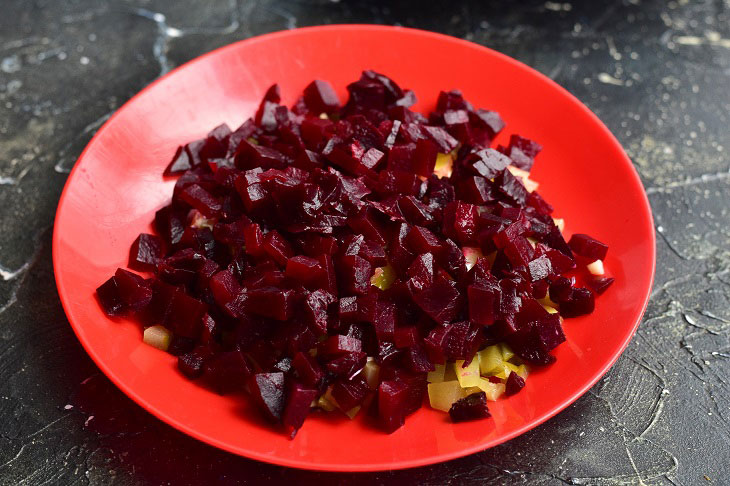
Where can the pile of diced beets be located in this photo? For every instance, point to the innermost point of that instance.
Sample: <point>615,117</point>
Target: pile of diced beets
<point>262,263</point>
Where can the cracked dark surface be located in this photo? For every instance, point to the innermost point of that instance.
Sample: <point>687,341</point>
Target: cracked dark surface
<point>657,73</point>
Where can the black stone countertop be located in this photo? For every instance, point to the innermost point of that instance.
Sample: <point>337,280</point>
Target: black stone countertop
<point>656,72</point>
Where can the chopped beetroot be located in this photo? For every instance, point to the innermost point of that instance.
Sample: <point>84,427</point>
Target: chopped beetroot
<point>587,247</point>
<point>597,284</point>
<point>313,243</point>
<point>472,407</point>
<point>514,383</point>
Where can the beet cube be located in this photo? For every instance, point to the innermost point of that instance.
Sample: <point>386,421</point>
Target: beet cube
<point>186,315</point>
<point>350,393</point>
<point>561,289</point>
<point>109,297</point>
<point>305,270</point>
<point>267,390</point>
<point>442,301</point>
<point>201,200</point>
<point>271,302</point>
<point>224,287</point>
<point>191,364</point>
<point>392,398</point>
<point>587,247</point>
<point>180,162</point>
<point>514,383</point>
<point>483,303</point>
<point>338,345</point>
<point>347,365</point>
<point>226,372</point>
<point>580,302</point>
<point>298,403</point>
<point>353,275</point>
<point>132,289</point>
<point>320,97</point>
<point>597,284</point>
<point>405,337</point>
<point>472,407</point>
<point>421,240</point>
<point>307,369</point>
<point>277,247</point>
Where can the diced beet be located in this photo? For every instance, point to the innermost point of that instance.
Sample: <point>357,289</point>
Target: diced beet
<point>405,337</point>
<point>253,240</point>
<point>186,315</point>
<point>417,360</point>
<point>522,151</point>
<point>224,287</point>
<point>353,275</point>
<point>267,390</point>
<point>442,301</point>
<point>559,262</point>
<point>421,271</point>
<point>271,302</point>
<point>307,369</point>
<point>483,303</point>
<point>201,200</point>
<point>320,97</point>
<point>539,268</point>
<point>109,297</point>
<point>277,247</point>
<point>461,222</point>
<point>132,289</point>
<point>191,364</point>
<point>587,247</point>
<point>180,162</point>
<point>422,240</point>
<point>472,407</point>
<point>338,345</point>
<point>580,302</point>
<point>227,372</point>
<point>392,397</point>
<point>514,383</point>
<point>561,289</point>
<point>298,404</point>
<point>597,284</point>
<point>511,187</point>
<point>384,322</point>
<point>350,393</point>
<point>305,270</point>
<point>347,365</point>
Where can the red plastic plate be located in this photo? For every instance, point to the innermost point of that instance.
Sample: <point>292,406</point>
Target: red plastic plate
<point>116,186</point>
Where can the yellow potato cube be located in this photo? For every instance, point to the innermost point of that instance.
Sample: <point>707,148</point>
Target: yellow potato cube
<point>437,375</point>
<point>468,376</point>
<point>492,390</point>
<point>442,395</point>
<point>383,277</point>
<point>490,360</point>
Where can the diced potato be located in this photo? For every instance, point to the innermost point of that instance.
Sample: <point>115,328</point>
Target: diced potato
<point>442,395</point>
<point>596,268</point>
<point>371,372</point>
<point>491,257</point>
<point>468,376</point>
<point>324,116</point>
<point>546,302</point>
<point>560,223</point>
<point>157,337</point>
<point>507,352</point>
<point>521,370</point>
<point>325,404</point>
<point>437,375</point>
<point>472,255</point>
<point>529,184</point>
<point>449,373</point>
<point>383,277</point>
<point>550,309</point>
<point>199,221</point>
<point>490,360</point>
<point>532,241</point>
<point>444,164</point>
<point>492,390</point>
<point>353,412</point>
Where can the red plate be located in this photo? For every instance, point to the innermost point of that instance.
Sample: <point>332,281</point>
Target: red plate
<point>117,184</point>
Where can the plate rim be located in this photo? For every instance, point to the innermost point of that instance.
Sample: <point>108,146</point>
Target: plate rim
<point>370,467</point>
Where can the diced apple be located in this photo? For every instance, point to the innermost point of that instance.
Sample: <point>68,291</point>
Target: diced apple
<point>437,375</point>
<point>492,390</point>
<point>444,164</point>
<point>383,277</point>
<point>560,223</point>
<point>468,376</point>
<point>472,255</point>
<point>596,268</point>
<point>157,337</point>
<point>490,360</point>
<point>442,395</point>
<point>353,412</point>
<point>529,184</point>
<point>507,353</point>
<point>521,370</point>
<point>371,372</point>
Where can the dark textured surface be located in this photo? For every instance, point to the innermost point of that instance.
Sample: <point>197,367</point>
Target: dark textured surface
<point>656,72</point>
